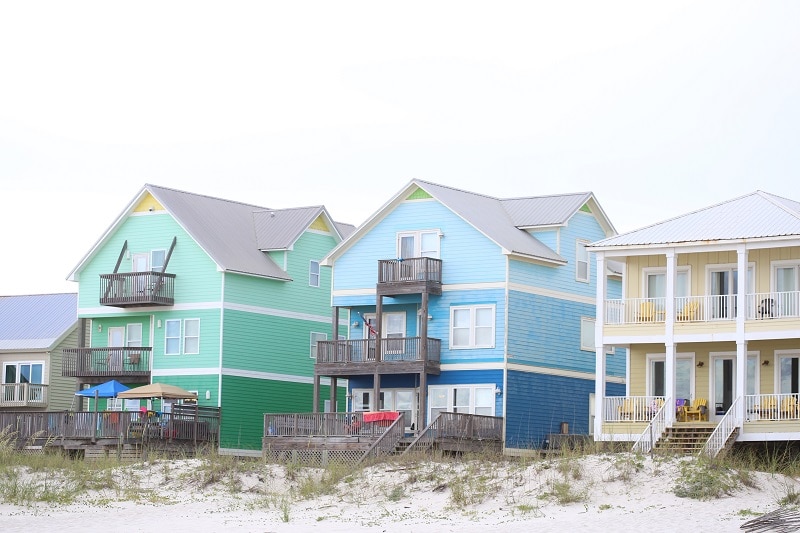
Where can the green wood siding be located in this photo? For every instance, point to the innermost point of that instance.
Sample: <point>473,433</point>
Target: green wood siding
<point>61,390</point>
<point>196,277</point>
<point>246,400</point>
<point>209,340</point>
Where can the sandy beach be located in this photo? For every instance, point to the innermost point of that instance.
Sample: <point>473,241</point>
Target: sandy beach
<point>619,492</point>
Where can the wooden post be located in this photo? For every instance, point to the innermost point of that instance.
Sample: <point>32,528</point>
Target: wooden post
<point>423,328</point>
<point>333,394</point>
<point>315,407</point>
<point>423,402</point>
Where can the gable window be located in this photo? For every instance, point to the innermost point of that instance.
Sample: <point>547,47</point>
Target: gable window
<point>313,274</point>
<point>423,243</point>
<point>315,338</point>
<point>581,262</point>
<point>157,259</point>
<point>472,326</point>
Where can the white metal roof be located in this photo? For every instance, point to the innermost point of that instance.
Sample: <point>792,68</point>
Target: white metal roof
<point>36,322</point>
<point>755,215</point>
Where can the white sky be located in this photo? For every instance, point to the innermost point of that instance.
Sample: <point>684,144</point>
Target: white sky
<point>658,109</point>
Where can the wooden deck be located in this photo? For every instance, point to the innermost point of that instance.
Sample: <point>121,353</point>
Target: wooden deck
<point>407,355</point>
<point>186,426</point>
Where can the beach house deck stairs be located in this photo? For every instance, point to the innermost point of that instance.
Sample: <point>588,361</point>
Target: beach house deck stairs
<point>686,437</point>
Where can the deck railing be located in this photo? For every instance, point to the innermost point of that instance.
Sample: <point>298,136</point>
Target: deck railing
<point>765,305</point>
<point>106,362</point>
<point>773,407</point>
<point>387,443</point>
<point>458,426</point>
<point>654,430</point>
<point>631,408</point>
<point>199,424</point>
<point>363,350</point>
<point>635,310</point>
<point>725,428</point>
<point>23,395</point>
<point>321,425</point>
<point>413,269</point>
<point>137,288</point>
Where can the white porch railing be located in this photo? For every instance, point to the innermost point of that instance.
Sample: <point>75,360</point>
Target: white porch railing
<point>774,407</point>
<point>716,442</point>
<point>635,310</point>
<point>654,429</point>
<point>23,395</point>
<point>764,305</point>
<point>631,408</point>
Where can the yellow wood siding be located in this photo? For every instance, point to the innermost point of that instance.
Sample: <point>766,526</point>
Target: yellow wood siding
<point>319,224</point>
<point>148,203</point>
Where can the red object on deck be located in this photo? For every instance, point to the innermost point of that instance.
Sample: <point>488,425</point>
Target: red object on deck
<point>381,416</point>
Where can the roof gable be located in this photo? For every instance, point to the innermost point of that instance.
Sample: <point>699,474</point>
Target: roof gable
<point>503,221</point>
<point>36,322</point>
<point>752,216</point>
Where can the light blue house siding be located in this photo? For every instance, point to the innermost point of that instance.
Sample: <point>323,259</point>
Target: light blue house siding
<point>537,404</point>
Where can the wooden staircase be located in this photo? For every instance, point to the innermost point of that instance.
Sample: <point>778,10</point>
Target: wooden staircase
<point>686,438</point>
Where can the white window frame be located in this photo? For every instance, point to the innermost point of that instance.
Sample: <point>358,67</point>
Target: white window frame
<point>651,357</point>
<point>152,259</point>
<point>186,336</point>
<point>751,355</point>
<point>472,327</point>
<point>167,337</point>
<point>580,245</point>
<point>449,394</point>
<point>131,339</point>
<point>749,285</point>
<point>17,365</point>
<point>779,355</point>
<point>418,250</point>
<point>589,322</point>
<point>315,337</point>
<point>650,271</point>
<point>314,277</point>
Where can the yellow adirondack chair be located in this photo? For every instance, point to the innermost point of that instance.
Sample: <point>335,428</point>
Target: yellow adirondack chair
<point>626,409</point>
<point>789,408</point>
<point>698,410</point>
<point>769,407</point>
<point>647,312</point>
<point>689,311</point>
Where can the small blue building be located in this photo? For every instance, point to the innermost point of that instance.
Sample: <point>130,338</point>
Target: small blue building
<point>461,302</point>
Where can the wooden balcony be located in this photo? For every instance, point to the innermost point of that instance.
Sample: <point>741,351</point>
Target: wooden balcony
<point>398,356</point>
<point>23,395</point>
<point>96,365</point>
<point>409,276</point>
<point>137,289</point>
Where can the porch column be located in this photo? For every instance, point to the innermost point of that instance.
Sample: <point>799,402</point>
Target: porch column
<point>669,380</point>
<point>333,394</point>
<point>376,377</point>
<point>600,353</point>
<point>423,328</point>
<point>315,406</point>
<point>741,342</point>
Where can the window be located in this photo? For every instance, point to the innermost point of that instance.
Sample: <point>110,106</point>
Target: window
<point>655,282</point>
<point>172,337</point>
<point>157,259</point>
<point>134,335</point>
<point>785,283</point>
<point>587,336</point>
<point>22,373</point>
<point>418,244</point>
<point>581,262</point>
<point>788,372</point>
<point>191,336</point>
<point>684,375</point>
<point>313,274</point>
<point>470,399</point>
<point>315,338</point>
<point>472,326</point>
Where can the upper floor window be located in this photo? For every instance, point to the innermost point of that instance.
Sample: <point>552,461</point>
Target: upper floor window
<point>587,336</point>
<point>472,326</point>
<point>134,335</point>
<point>313,274</point>
<point>581,261</point>
<point>655,282</point>
<point>190,340</point>
<point>23,373</point>
<point>423,243</point>
<point>157,259</point>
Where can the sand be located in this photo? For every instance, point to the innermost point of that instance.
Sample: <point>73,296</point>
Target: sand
<point>614,492</point>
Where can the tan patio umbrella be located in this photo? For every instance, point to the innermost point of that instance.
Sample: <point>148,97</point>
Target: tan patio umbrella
<point>158,390</point>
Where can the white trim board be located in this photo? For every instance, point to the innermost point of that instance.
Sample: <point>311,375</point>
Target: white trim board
<point>562,373</point>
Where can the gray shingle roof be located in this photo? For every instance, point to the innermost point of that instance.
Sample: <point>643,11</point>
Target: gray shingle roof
<point>755,215</point>
<point>501,219</point>
<point>36,322</point>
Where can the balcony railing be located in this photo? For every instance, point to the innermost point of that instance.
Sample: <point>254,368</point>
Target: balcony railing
<point>412,271</point>
<point>133,289</point>
<point>758,306</point>
<point>631,408</point>
<point>106,362</point>
<point>392,350</point>
<point>23,395</point>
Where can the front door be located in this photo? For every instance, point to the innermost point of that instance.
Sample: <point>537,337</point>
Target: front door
<point>723,384</point>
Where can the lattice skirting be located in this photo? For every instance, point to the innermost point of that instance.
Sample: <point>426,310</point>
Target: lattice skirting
<point>313,457</point>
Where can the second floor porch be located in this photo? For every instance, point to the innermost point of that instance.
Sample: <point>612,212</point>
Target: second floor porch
<point>95,365</point>
<point>137,289</point>
<point>23,395</point>
<point>368,356</point>
<point>409,276</point>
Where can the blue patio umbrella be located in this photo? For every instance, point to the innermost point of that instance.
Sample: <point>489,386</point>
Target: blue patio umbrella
<point>109,389</point>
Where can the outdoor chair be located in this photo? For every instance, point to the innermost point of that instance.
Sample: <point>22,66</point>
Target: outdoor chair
<point>626,409</point>
<point>647,312</point>
<point>789,408</point>
<point>698,410</point>
<point>689,311</point>
<point>769,407</point>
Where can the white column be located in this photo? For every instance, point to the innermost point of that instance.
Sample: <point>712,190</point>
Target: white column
<point>600,353</point>
<point>741,342</point>
<point>669,326</point>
